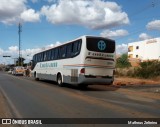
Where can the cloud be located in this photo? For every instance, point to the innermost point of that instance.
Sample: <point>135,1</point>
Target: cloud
<point>30,16</point>
<point>94,14</point>
<point>1,51</point>
<point>28,53</point>
<point>144,36</point>
<point>53,45</point>
<point>153,25</point>
<point>13,51</point>
<point>52,1</point>
<point>10,10</point>
<point>114,34</point>
<point>121,49</point>
<point>13,48</point>
<point>48,1</point>
<point>13,11</point>
<point>34,1</point>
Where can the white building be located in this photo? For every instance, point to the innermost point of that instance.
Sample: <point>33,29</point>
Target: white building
<point>145,50</point>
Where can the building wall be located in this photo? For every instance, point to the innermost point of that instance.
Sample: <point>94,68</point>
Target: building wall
<point>145,50</point>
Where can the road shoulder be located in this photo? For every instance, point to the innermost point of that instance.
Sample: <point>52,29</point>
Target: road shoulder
<point>4,110</point>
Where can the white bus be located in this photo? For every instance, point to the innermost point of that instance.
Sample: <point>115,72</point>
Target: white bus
<point>84,61</point>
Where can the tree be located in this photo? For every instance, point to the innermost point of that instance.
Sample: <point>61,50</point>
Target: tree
<point>20,61</point>
<point>123,62</point>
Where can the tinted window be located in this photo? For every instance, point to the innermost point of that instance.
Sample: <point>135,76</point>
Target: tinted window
<point>101,45</point>
<point>41,56</point>
<point>69,50</point>
<point>48,55</point>
<point>34,57</point>
<point>62,51</point>
<point>38,57</point>
<point>76,46</point>
<point>56,55</point>
<point>52,54</point>
<point>45,56</point>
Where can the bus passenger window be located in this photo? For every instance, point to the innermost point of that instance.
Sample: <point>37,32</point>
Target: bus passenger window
<point>42,56</point>
<point>45,56</point>
<point>52,54</point>
<point>75,48</point>
<point>49,55</point>
<point>63,51</point>
<point>69,50</point>
<point>79,45</point>
<point>38,59</point>
<point>56,54</point>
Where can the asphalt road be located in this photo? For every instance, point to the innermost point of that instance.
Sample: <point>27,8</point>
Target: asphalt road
<point>44,99</point>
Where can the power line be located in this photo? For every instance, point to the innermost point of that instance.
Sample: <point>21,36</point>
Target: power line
<point>153,4</point>
<point>149,6</point>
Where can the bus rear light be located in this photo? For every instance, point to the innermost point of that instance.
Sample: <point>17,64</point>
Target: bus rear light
<point>82,71</point>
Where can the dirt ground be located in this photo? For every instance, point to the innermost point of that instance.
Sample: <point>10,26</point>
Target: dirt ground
<point>123,81</point>
<point>4,107</point>
<point>5,111</point>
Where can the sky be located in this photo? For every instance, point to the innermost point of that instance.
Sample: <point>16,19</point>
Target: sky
<point>48,23</point>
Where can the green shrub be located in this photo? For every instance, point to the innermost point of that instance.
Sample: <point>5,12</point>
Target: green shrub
<point>148,69</point>
<point>122,62</point>
<point>125,71</point>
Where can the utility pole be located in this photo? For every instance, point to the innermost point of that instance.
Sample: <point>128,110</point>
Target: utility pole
<point>19,33</point>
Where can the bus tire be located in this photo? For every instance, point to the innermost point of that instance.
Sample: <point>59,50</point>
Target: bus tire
<point>59,80</point>
<point>82,86</point>
<point>111,83</point>
<point>35,77</point>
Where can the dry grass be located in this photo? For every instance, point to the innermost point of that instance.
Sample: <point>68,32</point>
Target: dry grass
<point>123,81</point>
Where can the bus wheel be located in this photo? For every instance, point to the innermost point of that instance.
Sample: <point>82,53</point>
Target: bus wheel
<point>35,77</point>
<point>59,80</point>
<point>82,86</point>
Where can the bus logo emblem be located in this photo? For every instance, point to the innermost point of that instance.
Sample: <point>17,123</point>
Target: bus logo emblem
<point>101,45</point>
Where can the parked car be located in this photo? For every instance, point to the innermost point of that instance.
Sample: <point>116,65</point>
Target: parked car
<point>18,70</point>
<point>10,71</point>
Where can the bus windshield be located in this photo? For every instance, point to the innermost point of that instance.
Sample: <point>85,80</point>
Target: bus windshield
<point>100,45</point>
